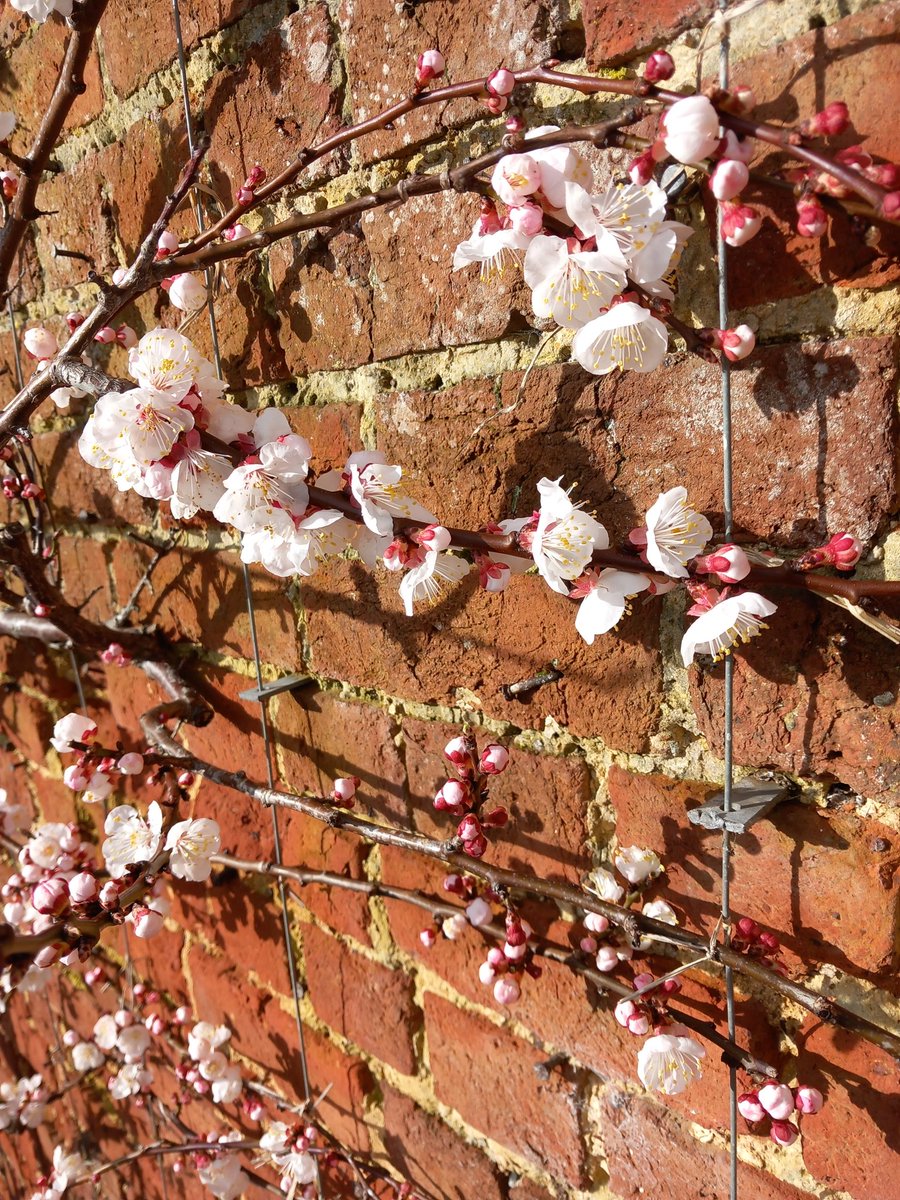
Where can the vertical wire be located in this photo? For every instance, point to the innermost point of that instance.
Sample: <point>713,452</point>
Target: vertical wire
<point>251,613</point>
<point>728,715</point>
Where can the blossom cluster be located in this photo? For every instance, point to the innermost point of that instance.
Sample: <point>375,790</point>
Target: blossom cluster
<point>466,796</point>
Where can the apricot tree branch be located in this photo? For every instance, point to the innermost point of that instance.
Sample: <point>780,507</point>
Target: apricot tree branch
<point>634,924</point>
<point>69,86</point>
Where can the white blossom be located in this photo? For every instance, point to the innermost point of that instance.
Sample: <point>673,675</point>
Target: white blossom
<point>735,619</point>
<point>40,10</point>
<point>87,1057</point>
<point>72,728</point>
<point>131,1079</point>
<point>565,538</point>
<point>636,864</point>
<point>675,533</point>
<point>627,336</point>
<point>426,581</point>
<point>131,838</point>
<point>605,595</point>
<point>603,884</point>
<point>191,844</point>
<point>668,1062</point>
<point>571,285</point>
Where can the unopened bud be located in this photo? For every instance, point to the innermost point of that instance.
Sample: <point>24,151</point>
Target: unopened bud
<point>809,1100</point>
<point>435,537</point>
<point>659,67</point>
<point>494,759</point>
<point>832,120</point>
<point>345,789</point>
<point>729,179</point>
<point>812,220</point>
<point>40,342</point>
<point>83,887</point>
<point>783,1133</point>
<point>500,82</point>
<point>750,1108</point>
<point>429,65</point>
<point>51,897</point>
<point>428,938</point>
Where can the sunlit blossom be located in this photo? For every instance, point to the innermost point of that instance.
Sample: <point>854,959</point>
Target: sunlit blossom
<point>732,620</point>
<point>675,533</point>
<point>668,1062</point>
<point>565,538</point>
<point>627,337</point>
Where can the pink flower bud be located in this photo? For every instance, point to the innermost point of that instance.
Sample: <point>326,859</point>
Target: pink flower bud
<point>435,537</point>
<point>738,343</point>
<point>429,65</point>
<point>730,563</point>
<point>254,1109</point>
<point>812,220</point>
<point>40,342</point>
<point>783,1133</point>
<point>459,752</point>
<point>453,796</point>
<point>640,169</point>
<point>94,975</point>
<point>82,887</point>
<point>496,104</point>
<point>495,818</point>
<point>126,337</point>
<point>234,233</point>
<point>844,551</point>
<point>167,244</point>
<point>9,184</point>
<point>748,928</point>
<point>633,1017</point>
<point>750,1108</point>
<point>479,912</point>
<point>770,941</point>
<point>46,957</point>
<point>244,196</point>
<point>147,922</point>
<point>607,958</point>
<point>506,990</point>
<point>487,974</point>
<point>182,1015</point>
<point>494,759</point>
<point>345,789</point>
<point>428,937</point>
<point>42,610</point>
<point>740,222</point>
<point>500,82</point>
<point>745,97</point>
<point>51,897</point>
<point>187,293</point>
<point>123,1018</point>
<point>890,205</point>
<point>595,923</point>
<point>469,828</point>
<point>527,219</point>
<point>777,1099</point>
<point>496,958</point>
<point>476,847</point>
<point>588,945</point>
<point>515,124</point>
<point>131,763</point>
<point>76,778</point>
<point>729,179</point>
<point>832,120</point>
<point>109,895</point>
<point>105,335</point>
<point>659,67</point>
<point>809,1100</point>
<point>453,927</point>
<point>70,1038</point>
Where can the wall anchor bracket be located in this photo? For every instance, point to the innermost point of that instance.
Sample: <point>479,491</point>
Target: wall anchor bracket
<point>287,683</point>
<point>751,800</point>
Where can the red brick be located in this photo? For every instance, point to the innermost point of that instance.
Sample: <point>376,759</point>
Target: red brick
<point>29,77</point>
<point>199,596</point>
<point>432,1156</point>
<point>861,1091</point>
<point>140,41</point>
<point>316,846</point>
<point>242,748</point>
<point>616,30</point>
<point>416,243</point>
<point>324,303</point>
<point>331,429</point>
<point>547,799</point>
<point>25,723</point>
<point>349,1084</point>
<point>368,1003</point>
<point>81,492</point>
<point>476,642</point>
<point>381,44</point>
<point>792,81</point>
<point>815,428</point>
<point>808,875</point>
<point>494,1087</point>
<point>804,700</point>
<point>649,1151</point>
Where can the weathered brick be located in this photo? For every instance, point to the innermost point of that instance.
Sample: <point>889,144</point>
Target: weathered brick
<point>473,642</point>
<point>473,44</point>
<point>808,875</point>
<point>141,41</point>
<point>495,1088</point>
<point>649,1150</point>
<point>616,30</point>
<point>547,799</point>
<point>849,56</point>
<point>813,427</point>
<point>432,1156</point>
<point>859,1082</point>
<point>370,1004</point>
<point>805,699</point>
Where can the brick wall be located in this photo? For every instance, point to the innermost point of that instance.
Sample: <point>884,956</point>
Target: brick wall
<point>373,342</point>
